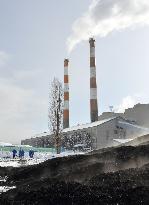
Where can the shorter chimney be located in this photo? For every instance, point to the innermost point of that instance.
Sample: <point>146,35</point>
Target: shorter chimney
<point>66,95</point>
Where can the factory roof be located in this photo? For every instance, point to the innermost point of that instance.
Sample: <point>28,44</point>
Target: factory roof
<point>88,125</point>
<point>43,134</point>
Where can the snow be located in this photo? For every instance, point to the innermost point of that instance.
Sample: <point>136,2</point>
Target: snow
<point>68,153</point>
<point>9,163</point>
<point>4,144</point>
<point>6,188</point>
<point>3,179</point>
<point>79,145</point>
<point>122,140</point>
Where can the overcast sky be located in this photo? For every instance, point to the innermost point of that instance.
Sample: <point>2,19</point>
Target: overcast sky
<point>36,36</point>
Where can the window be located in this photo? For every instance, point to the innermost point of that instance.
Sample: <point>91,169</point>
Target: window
<point>115,132</point>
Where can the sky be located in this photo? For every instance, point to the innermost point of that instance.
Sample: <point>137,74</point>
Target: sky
<point>36,36</point>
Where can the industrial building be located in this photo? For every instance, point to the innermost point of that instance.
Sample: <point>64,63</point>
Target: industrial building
<point>108,132</point>
<point>101,134</point>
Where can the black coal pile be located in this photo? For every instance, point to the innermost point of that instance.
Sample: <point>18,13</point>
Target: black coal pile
<point>108,176</point>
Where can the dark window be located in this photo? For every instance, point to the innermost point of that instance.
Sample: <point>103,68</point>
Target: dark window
<point>115,132</point>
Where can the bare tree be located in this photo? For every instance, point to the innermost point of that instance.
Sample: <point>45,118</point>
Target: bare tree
<point>56,111</point>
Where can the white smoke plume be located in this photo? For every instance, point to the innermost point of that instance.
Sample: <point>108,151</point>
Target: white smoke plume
<point>127,102</point>
<point>106,16</point>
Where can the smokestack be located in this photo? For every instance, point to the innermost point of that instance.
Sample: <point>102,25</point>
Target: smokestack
<point>66,95</point>
<point>93,86</point>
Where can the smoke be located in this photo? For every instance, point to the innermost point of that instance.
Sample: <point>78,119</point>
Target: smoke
<point>106,16</point>
<point>127,102</point>
<point>131,100</point>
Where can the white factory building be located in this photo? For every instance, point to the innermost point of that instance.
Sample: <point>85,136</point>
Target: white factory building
<point>109,132</point>
<point>104,133</point>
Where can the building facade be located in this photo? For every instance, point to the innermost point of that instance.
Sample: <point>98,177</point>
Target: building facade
<point>95,135</point>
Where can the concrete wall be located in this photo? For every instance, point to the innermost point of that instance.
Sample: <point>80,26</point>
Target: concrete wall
<point>139,113</point>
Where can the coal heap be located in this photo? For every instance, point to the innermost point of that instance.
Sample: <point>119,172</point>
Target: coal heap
<point>108,176</point>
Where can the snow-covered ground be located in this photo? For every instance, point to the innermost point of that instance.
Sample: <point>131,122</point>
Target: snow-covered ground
<point>6,188</point>
<point>39,157</point>
<point>3,179</point>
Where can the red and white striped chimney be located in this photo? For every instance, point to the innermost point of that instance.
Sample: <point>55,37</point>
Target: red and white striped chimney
<point>66,95</point>
<point>93,85</point>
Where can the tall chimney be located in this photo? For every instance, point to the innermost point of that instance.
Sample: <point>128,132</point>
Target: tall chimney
<point>66,95</point>
<point>93,86</point>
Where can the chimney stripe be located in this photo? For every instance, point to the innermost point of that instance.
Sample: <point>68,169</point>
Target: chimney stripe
<point>66,79</point>
<point>66,87</point>
<point>92,61</point>
<point>65,70</point>
<point>66,105</point>
<point>93,93</point>
<point>92,52</point>
<point>66,96</point>
<point>92,72</point>
<point>66,117</point>
<point>94,107</point>
<point>93,83</point>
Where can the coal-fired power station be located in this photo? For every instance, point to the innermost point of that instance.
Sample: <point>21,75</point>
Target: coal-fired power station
<point>66,95</point>
<point>93,88</point>
<point>93,85</point>
<point>108,130</point>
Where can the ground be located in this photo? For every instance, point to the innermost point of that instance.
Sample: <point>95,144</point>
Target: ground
<point>109,176</point>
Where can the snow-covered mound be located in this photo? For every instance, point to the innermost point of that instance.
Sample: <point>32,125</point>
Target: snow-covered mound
<point>117,175</point>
